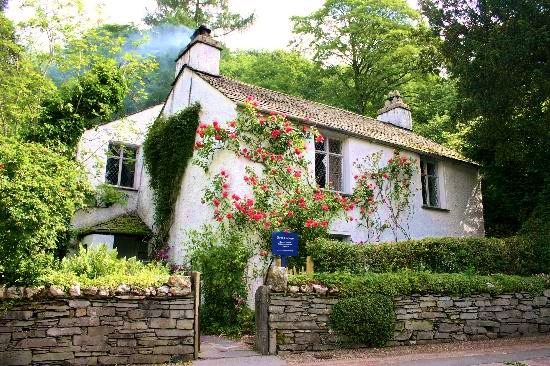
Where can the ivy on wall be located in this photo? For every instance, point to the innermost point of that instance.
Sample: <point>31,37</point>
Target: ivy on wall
<point>168,148</point>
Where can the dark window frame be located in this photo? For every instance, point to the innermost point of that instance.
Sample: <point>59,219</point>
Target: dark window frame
<point>121,159</point>
<point>326,155</point>
<point>430,183</point>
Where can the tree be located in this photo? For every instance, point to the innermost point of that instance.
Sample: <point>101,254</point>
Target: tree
<point>499,53</point>
<point>23,87</point>
<point>39,192</point>
<point>371,46</point>
<point>192,13</point>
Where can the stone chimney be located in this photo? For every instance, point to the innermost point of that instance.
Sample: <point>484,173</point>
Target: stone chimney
<point>202,53</point>
<point>396,112</point>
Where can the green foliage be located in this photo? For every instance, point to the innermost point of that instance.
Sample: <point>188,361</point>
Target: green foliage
<point>168,148</point>
<point>107,195</point>
<point>101,267</point>
<point>39,193</point>
<point>82,102</point>
<point>376,46</point>
<point>23,87</point>
<point>409,282</point>
<point>215,13</point>
<point>368,320</point>
<point>222,258</point>
<point>514,255</point>
<point>498,53</point>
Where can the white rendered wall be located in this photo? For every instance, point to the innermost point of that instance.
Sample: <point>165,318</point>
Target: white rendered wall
<point>398,116</point>
<point>201,57</point>
<point>96,240</point>
<point>92,154</point>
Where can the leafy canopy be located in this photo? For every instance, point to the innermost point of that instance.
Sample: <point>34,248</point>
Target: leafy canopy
<point>372,46</point>
<point>39,193</point>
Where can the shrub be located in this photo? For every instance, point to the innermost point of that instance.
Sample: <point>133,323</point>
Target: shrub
<point>39,192</point>
<point>101,267</point>
<point>410,282</point>
<point>367,319</point>
<point>514,255</point>
<point>107,195</point>
<point>222,258</point>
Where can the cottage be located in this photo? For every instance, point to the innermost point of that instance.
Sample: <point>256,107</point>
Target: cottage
<point>446,187</point>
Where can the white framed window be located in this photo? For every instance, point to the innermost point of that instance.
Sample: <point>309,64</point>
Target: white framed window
<point>121,165</point>
<point>329,164</point>
<point>430,183</point>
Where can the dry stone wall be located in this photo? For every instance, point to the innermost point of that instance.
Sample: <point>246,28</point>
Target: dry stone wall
<point>107,329</point>
<point>299,321</point>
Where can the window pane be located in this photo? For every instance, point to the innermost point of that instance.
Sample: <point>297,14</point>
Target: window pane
<point>335,172</point>
<point>320,170</point>
<point>114,150</point>
<point>431,168</point>
<point>127,173</point>
<point>334,146</point>
<point>424,192</point>
<point>129,152</point>
<point>320,146</point>
<point>111,171</point>
<point>433,189</point>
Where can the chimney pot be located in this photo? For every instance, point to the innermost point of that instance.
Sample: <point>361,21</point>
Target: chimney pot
<point>202,53</point>
<point>396,112</point>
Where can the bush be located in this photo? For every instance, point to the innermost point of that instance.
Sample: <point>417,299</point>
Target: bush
<point>101,267</point>
<point>409,282</point>
<point>514,255</point>
<point>367,319</point>
<point>222,259</point>
<point>39,192</point>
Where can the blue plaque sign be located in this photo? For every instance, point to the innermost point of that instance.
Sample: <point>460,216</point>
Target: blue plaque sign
<point>284,244</point>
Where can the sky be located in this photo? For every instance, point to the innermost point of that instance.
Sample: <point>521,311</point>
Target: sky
<point>271,30</point>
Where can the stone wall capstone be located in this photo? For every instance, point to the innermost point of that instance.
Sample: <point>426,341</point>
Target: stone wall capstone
<point>299,321</point>
<point>101,329</point>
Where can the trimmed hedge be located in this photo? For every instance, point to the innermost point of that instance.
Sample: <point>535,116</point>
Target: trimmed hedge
<point>409,282</point>
<point>519,255</point>
<point>367,319</point>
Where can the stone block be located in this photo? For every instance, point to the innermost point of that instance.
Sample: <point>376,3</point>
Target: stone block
<point>112,360</point>
<point>468,329</point>
<point>148,359</point>
<point>295,325</point>
<point>17,315</point>
<point>162,323</point>
<point>424,335</point>
<point>184,324</point>
<point>16,358</point>
<point>402,336</point>
<point>53,356</point>
<point>99,311</point>
<point>37,343</point>
<point>56,332</point>
<point>173,332</point>
<point>79,303</point>
<point>97,340</point>
<point>78,322</point>
<point>445,303</point>
<point>450,327</point>
<point>418,325</point>
<point>136,325</point>
<point>100,331</point>
<point>468,315</point>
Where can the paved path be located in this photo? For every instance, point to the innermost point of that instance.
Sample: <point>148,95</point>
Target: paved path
<point>534,351</point>
<point>222,351</point>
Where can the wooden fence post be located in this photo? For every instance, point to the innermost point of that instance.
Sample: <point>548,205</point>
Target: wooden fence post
<point>309,265</point>
<point>196,283</point>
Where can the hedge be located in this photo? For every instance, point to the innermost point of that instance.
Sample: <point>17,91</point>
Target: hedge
<point>410,282</point>
<point>519,255</point>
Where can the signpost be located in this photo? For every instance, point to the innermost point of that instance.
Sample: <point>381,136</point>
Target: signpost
<point>285,245</point>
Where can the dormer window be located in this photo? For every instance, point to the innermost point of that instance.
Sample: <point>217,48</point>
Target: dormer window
<point>121,165</point>
<point>430,183</point>
<point>328,164</point>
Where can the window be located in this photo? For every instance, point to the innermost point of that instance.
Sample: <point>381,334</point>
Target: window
<point>430,184</point>
<point>131,246</point>
<point>121,165</point>
<point>328,164</point>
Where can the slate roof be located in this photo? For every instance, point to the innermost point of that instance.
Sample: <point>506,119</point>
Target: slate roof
<point>332,118</point>
<point>129,224</point>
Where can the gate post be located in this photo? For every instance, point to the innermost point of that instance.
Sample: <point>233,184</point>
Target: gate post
<point>262,320</point>
<point>196,282</point>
